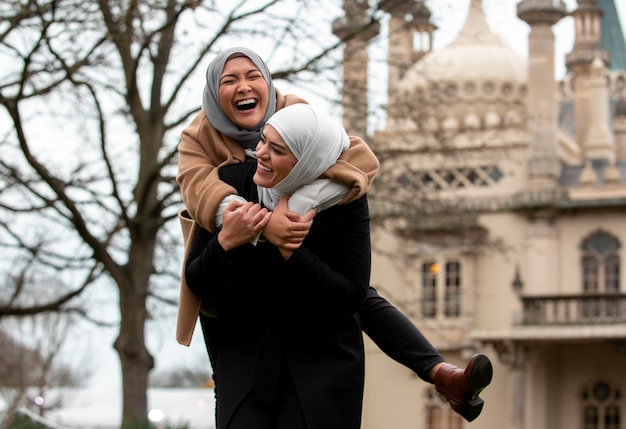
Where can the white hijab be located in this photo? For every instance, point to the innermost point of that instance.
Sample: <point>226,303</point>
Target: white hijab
<point>316,140</point>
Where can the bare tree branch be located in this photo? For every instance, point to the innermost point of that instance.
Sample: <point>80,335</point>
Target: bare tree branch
<point>95,94</point>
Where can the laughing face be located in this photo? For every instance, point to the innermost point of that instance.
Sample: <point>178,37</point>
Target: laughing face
<point>274,159</point>
<point>243,92</point>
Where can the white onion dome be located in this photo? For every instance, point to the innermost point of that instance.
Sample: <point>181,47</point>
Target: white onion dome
<point>470,79</point>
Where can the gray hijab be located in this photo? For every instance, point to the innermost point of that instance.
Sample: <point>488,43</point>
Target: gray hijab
<point>248,138</point>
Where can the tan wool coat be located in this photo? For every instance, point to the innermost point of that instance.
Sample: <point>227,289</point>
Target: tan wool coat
<point>202,151</point>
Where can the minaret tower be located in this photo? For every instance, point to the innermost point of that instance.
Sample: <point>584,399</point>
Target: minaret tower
<point>544,168</point>
<point>409,23</point>
<point>588,64</point>
<point>357,28</point>
<point>543,165</point>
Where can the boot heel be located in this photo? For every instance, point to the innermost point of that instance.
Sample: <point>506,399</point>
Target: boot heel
<point>471,409</point>
<point>461,387</point>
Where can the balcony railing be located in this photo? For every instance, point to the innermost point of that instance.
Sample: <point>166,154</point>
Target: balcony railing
<point>591,309</point>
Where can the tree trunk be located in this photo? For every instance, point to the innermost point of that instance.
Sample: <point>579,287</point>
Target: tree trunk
<point>136,361</point>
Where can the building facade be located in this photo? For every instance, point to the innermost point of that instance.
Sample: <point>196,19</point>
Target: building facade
<point>499,215</point>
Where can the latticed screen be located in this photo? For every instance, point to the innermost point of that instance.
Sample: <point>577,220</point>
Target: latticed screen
<point>455,178</point>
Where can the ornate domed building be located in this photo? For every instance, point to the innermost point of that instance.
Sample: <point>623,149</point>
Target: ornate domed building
<point>499,215</point>
<point>472,83</point>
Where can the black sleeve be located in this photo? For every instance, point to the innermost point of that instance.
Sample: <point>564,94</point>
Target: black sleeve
<point>397,336</point>
<point>208,265</point>
<point>205,256</point>
<point>335,261</point>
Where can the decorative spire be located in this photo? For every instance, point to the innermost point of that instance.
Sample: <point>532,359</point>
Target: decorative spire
<point>587,37</point>
<point>598,142</point>
<point>476,30</point>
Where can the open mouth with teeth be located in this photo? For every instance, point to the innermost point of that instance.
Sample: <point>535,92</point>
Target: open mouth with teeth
<point>247,104</point>
<point>263,168</point>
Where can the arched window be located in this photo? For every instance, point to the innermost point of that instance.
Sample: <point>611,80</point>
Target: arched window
<point>441,289</point>
<point>600,263</point>
<point>601,406</point>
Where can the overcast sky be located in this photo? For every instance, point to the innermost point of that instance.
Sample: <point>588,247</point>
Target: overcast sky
<point>502,17</point>
<point>449,17</point>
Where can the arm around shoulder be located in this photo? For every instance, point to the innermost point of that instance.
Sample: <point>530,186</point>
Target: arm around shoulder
<point>357,167</point>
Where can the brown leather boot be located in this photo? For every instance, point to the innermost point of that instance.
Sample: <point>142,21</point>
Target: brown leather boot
<point>461,387</point>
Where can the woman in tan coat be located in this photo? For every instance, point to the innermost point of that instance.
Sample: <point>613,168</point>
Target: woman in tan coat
<point>238,99</point>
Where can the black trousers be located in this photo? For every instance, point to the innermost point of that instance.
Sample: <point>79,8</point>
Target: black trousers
<point>397,336</point>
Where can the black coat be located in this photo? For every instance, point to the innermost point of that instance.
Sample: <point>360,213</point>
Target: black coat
<point>295,316</point>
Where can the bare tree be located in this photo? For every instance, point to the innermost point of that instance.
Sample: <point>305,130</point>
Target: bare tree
<point>95,94</point>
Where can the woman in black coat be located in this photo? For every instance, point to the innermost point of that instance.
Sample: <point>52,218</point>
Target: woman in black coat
<point>286,346</point>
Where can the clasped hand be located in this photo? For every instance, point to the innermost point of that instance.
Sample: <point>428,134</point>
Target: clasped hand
<point>283,228</point>
<point>242,223</point>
